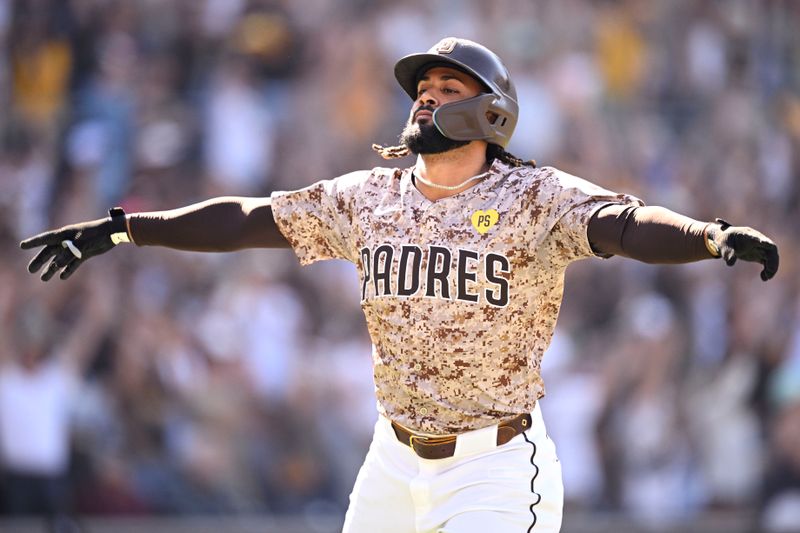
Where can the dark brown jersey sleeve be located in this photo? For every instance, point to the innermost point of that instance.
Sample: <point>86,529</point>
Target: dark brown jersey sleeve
<point>647,233</point>
<point>218,225</point>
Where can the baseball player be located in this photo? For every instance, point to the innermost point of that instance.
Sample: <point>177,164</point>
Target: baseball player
<point>461,259</point>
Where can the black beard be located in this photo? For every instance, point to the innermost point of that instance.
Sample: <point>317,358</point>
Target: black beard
<point>427,139</point>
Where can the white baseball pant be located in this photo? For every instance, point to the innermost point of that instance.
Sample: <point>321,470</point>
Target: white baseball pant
<point>483,488</point>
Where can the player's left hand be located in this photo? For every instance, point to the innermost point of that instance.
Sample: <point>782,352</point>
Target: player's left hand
<point>747,244</point>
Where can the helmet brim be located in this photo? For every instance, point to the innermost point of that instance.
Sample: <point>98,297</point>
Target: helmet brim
<point>407,70</point>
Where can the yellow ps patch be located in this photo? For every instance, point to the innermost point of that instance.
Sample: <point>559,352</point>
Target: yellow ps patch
<point>483,220</point>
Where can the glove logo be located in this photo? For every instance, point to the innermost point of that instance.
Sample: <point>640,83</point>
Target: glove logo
<point>482,221</point>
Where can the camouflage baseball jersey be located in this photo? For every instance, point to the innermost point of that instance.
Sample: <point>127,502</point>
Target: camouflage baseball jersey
<point>460,294</point>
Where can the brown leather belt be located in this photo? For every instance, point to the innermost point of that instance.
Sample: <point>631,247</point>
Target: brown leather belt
<point>442,447</point>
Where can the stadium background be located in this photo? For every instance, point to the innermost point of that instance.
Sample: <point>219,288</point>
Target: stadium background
<point>237,387</point>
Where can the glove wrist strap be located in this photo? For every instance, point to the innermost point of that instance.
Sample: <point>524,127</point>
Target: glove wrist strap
<point>711,245</point>
<point>120,226</point>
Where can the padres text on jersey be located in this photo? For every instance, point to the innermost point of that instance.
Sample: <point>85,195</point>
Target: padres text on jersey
<point>430,272</point>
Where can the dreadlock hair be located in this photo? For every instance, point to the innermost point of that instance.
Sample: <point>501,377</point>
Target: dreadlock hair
<point>493,151</point>
<point>392,152</point>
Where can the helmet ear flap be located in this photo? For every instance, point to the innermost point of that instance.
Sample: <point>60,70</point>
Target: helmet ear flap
<point>465,120</point>
<point>468,120</point>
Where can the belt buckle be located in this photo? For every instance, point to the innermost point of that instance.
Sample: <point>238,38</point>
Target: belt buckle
<point>429,441</point>
<point>415,437</point>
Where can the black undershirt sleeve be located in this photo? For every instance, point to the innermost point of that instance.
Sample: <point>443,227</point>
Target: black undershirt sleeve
<point>218,225</point>
<point>650,234</point>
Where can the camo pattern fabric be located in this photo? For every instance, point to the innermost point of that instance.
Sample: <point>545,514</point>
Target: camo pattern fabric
<point>461,294</point>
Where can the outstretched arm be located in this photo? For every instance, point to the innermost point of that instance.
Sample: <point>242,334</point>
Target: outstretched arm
<point>222,224</point>
<point>657,235</point>
<point>217,225</point>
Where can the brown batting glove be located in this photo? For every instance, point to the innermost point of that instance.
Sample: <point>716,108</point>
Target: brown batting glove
<point>741,242</point>
<point>69,247</point>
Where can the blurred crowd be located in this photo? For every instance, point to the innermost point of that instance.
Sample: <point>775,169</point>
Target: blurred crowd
<point>156,381</point>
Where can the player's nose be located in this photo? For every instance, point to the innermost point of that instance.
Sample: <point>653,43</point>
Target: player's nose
<point>426,98</point>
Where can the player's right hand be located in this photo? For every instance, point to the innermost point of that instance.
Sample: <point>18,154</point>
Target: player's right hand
<point>747,244</point>
<point>69,247</point>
